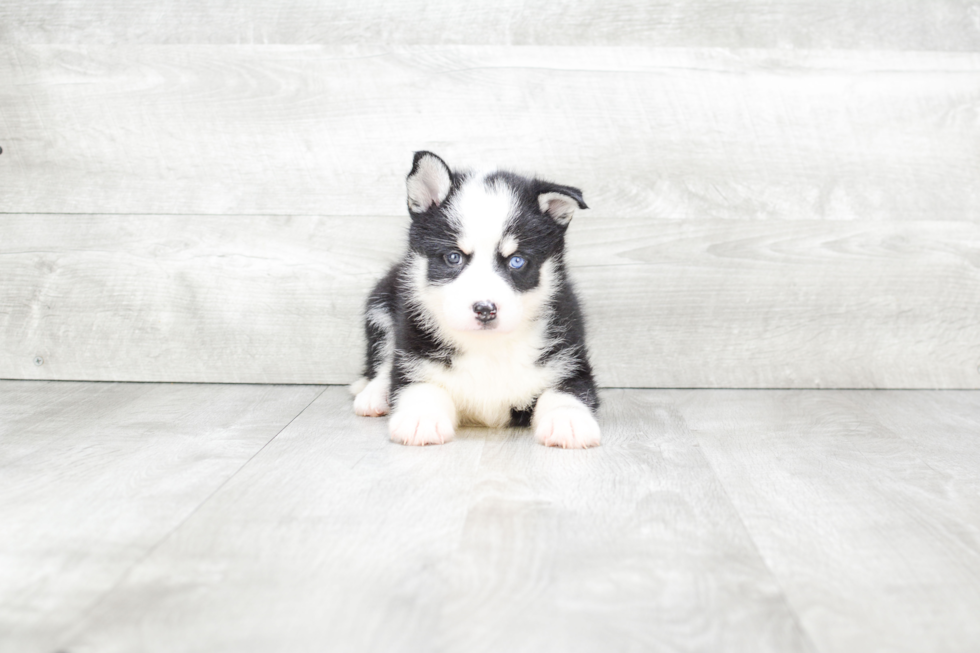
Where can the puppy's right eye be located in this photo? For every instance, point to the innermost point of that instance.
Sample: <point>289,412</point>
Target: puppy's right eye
<point>453,258</point>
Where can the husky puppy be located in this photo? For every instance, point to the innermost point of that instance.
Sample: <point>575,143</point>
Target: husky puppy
<point>478,323</point>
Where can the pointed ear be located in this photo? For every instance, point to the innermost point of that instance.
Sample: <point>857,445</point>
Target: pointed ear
<point>428,183</point>
<point>560,202</point>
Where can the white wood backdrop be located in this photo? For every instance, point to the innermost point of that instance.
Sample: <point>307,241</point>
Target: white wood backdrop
<point>952,25</point>
<point>697,303</point>
<point>797,208</point>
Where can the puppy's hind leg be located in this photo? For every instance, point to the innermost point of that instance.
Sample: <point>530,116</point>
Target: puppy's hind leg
<point>371,396</point>
<point>371,391</point>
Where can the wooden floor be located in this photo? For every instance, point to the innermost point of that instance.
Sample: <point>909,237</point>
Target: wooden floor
<point>160,517</point>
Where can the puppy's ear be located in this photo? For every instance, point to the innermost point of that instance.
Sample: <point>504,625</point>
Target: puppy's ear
<point>429,182</point>
<point>560,202</point>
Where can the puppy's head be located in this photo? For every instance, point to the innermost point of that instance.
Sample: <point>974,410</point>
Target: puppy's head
<point>485,248</point>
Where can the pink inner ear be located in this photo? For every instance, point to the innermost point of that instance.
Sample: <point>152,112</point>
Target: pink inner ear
<point>432,186</point>
<point>429,185</point>
<point>558,206</point>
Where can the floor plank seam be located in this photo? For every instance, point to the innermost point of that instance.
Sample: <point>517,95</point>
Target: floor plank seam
<point>755,546</point>
<point>87,614</point>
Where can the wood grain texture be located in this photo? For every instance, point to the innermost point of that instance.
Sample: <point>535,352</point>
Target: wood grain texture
<point>875,548</point>
<point>942,428</point>
<point>923,25</point>
<point>331,540</point>
<point>631,547</point>
<point>646,132</point>
<point>335,539</point>
<point>34,417</point>
<point>101,475</point>
<point>24,404</point>
<point>825,521</point>
<point>671,303</point>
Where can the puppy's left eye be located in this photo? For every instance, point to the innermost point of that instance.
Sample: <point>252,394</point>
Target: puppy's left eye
<point>454,258</point>
<point>516,262</point>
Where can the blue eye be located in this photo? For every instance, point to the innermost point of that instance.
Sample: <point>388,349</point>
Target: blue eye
<point>453,258</point>
<point>516,262</point>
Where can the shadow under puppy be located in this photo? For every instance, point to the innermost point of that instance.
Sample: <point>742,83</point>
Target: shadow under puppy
<point>478,323</point>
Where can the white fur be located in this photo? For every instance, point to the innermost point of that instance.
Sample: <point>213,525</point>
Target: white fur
<point>561,420</point>
<point>482,215</point>
<point>381,320</point>
<point>508,246</point>
<point>425,415</point>
<point>479,281</point>
<point>493,369</point>
<point>357,386</point>
<point>490,376</point>
<point>371,398</point>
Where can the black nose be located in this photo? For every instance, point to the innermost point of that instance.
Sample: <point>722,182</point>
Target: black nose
<point>485,311</point>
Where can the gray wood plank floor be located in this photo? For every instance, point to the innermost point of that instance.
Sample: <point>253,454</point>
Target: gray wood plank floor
<point>162,517</point>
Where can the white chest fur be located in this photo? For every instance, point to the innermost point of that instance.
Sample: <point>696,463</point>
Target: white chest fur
<point>491,375</point>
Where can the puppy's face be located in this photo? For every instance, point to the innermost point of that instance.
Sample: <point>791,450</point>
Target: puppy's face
<point>484,246</point>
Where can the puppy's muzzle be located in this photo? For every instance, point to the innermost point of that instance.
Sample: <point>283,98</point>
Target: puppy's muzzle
<point>485,311</point>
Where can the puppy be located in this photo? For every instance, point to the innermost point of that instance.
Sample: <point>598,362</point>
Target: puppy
<point>478,323</point>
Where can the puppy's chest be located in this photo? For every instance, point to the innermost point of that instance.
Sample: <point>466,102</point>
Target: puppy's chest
<point>486,382</point>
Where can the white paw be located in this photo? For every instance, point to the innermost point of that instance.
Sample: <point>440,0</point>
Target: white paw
<point>568,428</point>
<point>424,414</point>
<point>372,400</point>
<point>412,428</point>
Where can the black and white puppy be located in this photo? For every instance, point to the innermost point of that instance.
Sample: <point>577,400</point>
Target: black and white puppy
<point>478,323</point>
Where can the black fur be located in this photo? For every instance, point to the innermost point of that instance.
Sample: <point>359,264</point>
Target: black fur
<point>433,236</point>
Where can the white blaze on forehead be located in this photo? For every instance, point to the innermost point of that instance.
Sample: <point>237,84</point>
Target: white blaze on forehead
<point>482,213</point>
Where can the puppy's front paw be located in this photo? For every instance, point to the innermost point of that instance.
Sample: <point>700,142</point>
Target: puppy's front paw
<point>424,414</point>
<point>568,428</point>
<point>407,427</point>
<point>372,401</point>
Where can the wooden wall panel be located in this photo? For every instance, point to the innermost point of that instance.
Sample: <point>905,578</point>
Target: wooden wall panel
<point>646,132</point>
<point>760,217</point>
<point>671,303</point>
<point>869,24</point>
